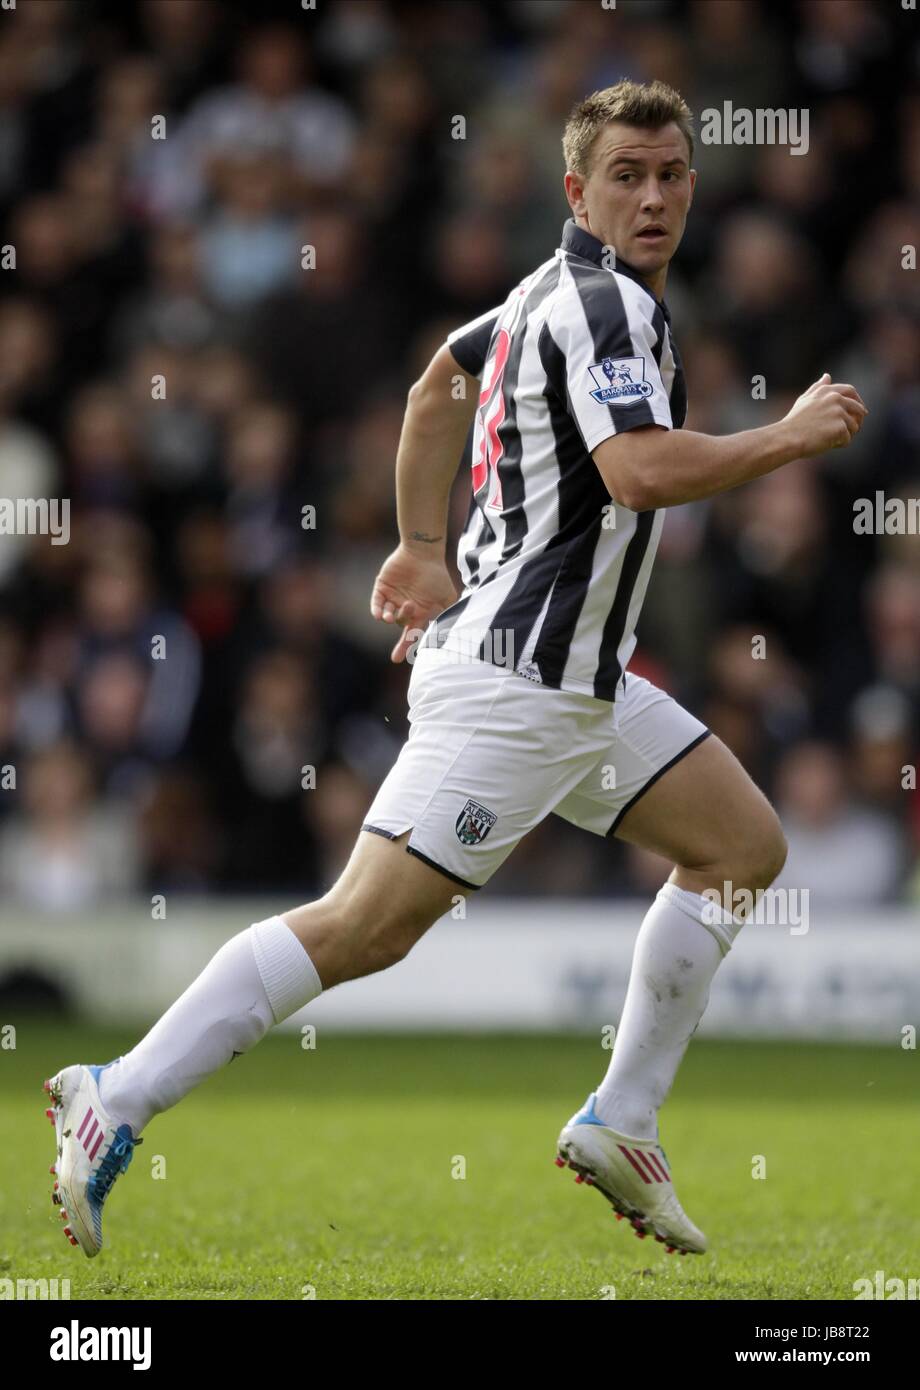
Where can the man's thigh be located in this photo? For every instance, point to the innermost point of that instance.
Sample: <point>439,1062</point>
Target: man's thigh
<point>649,734</point>
<point>672,787</point>
<point>381,883</point>
<point>706,815</point>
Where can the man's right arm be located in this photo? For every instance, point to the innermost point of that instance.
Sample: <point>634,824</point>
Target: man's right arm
<point>653,467</point>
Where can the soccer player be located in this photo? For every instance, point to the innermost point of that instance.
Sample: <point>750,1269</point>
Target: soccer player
<point>520,700</point>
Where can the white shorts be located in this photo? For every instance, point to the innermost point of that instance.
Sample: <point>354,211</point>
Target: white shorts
<point>490,755</point>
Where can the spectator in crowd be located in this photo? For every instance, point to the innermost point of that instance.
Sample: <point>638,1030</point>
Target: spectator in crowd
<point>66,849</point>
<point>844,853</point>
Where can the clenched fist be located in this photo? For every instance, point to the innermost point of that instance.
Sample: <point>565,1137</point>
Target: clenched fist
<point>827,416</point>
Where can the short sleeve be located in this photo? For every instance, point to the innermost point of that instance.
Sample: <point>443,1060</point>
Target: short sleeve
<point>604,348</point>
<point>470,344</point>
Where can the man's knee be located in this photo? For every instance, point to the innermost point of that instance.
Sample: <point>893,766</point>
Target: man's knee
<point>765,852</point>
<point>380,906</point>
<point>357,934</point>
<point>781,852</point>
<point>383,949</point>
<point>383,937</point>
<point>751,853</point>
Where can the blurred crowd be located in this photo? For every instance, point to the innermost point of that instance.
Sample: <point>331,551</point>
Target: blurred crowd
<point>173,678</point>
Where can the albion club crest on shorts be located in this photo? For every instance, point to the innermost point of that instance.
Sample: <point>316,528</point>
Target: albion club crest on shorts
<point>474,823</point>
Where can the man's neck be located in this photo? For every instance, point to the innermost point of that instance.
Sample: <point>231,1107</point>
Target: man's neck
<point>654,282</point>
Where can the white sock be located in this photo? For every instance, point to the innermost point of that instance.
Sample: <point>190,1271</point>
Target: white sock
<point>258,978</point>
<point>680,945</point>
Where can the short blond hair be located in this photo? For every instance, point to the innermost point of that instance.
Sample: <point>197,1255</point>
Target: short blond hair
<point>648,105</point>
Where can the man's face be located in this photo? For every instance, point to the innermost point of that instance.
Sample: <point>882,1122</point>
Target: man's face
<point>636,196</point>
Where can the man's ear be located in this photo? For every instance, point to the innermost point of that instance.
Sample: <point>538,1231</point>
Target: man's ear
<point>692,186</point>
<point>574,191</point>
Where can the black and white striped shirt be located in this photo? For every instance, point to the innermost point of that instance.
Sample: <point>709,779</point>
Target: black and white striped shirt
<point>554,572</point>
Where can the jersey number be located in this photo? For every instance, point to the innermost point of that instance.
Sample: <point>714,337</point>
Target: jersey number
<point>491,415</point>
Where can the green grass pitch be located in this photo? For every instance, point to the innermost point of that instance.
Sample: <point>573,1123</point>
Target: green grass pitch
<point>331,1171</point>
